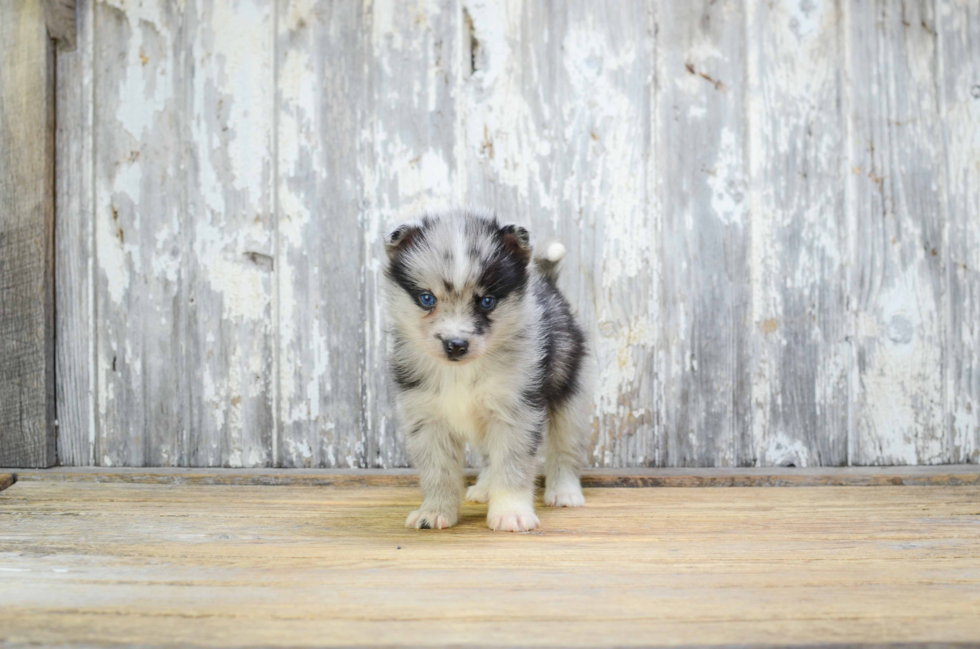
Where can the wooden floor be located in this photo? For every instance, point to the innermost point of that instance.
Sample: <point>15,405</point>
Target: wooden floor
<point>123,563</point>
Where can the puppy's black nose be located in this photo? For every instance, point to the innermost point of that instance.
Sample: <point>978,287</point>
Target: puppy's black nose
<point>455,347</point>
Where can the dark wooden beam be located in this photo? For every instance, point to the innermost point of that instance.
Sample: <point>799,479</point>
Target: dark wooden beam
<point>867,476</point>
<point>6,479</point>
<point>60,18</point>
<point>27,413</point>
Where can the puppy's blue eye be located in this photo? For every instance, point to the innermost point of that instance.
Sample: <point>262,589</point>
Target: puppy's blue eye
<point>488,302</point>
<point>427,300</point>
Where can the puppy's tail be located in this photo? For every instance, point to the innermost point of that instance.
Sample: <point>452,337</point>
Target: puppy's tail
<point>554,252</point>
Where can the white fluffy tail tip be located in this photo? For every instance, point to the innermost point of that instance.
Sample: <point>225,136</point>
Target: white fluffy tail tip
<point>555,252</point>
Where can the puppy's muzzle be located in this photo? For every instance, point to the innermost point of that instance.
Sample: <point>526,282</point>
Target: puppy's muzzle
<point>455,348</point>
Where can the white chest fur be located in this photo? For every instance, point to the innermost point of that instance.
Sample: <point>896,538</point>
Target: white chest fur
<point>461,404</point>
<point>466,398</point>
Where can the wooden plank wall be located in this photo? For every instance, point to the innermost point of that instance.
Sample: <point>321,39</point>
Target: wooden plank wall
<point>772,212</point>
<point>27,359</point>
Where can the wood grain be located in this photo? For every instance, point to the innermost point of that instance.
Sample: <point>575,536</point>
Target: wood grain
<point>106,564</point>
<point>898,222</point>
<point>184,234</point>
<point>224,312</point>
<point>6,479</point>
<point>27,413</point>
<point>958,27</point>
<point>798,323</point>
<point>141,95</point>
<point>320,308</point>
<point>705,230</point>
<point>602,158</point>
<point>75,248</point>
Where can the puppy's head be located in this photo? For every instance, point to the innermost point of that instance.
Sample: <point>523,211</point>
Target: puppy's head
<point>457,283</point>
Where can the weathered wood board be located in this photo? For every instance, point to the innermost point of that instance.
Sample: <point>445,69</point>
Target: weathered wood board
<point>958,25</point>
<point>798,322</point>
<point>771,211</point>
<point>704,202</point>
<point>897,271</point>
<point>318,267</point>
<point>164,565</point>
<point>75,350</point>
<point>27,354</point>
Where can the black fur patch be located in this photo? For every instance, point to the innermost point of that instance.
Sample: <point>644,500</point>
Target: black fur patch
<point>560,367</point>
<point>403,376</point>
<point>517,240</point>
<point>536,436</point>
<point>481,320</point>
<point>534,396</point>
<point>397,269</point>
<point>505,268</point>
<point>503,273</point>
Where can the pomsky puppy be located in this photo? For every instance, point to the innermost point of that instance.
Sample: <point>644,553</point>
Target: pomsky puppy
<point>484,349</point>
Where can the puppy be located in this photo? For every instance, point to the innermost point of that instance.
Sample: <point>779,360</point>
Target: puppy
<point>484,349</point>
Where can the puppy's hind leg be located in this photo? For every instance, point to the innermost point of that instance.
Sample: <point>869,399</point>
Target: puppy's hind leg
<point>438,456</point>
<point>565,453</point>
<point>480,492</point>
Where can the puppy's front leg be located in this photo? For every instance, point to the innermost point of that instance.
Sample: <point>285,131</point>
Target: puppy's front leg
<point>510,451</point>
<point>438,456</point>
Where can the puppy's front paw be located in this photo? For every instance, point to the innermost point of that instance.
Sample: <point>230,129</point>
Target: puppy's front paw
<point>477,494</point>
<point>565,494</point>
<point>427,519</point>
<point>513,514</point>
<point>513,522</point>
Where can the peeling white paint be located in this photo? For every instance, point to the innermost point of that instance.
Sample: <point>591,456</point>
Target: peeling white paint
<point>144,91</point>
<point>727,183</point>
<point>618,354</point>
<point>500,127</point>
<point>593,66</point>
<point>898,395</point>
<point>242,285</point>
<point>241,29</point>
<point>319,383</point>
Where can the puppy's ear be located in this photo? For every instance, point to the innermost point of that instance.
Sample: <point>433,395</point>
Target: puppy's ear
<point>402,237</point>
<point>518,241</point>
